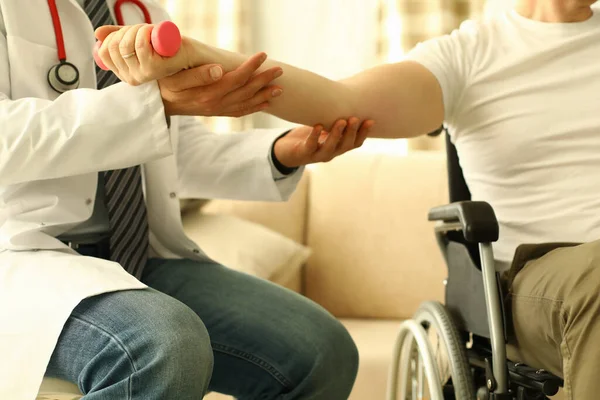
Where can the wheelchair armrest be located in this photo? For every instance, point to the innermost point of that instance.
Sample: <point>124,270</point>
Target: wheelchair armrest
<point>477,219</point>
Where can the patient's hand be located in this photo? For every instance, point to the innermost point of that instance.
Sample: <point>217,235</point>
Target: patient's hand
<point>186,88</point>
<point>308,145</point>
<point>146,65</point>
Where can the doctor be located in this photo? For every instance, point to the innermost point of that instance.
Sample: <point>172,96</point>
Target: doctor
<point>82,225</point>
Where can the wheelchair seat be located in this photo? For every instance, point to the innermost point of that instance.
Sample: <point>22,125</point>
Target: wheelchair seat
<point>473,318</point>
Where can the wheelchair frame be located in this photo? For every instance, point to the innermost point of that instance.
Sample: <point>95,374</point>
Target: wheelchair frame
<point>452,218</point>
<point>476,224</point>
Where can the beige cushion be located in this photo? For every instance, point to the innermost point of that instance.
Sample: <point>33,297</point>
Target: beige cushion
<point>374,252</point>
<point>375,342</point>
<point>55,389</point>
<point>188,205</point>
<point>246,246</point>
<point>287,218</point>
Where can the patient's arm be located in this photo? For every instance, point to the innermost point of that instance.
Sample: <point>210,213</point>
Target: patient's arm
<point>404,99</point>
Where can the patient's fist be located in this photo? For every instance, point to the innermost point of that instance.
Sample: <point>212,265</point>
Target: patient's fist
<point>128,52</point>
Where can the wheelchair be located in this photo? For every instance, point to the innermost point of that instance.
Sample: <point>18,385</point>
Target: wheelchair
<point>459,349</point>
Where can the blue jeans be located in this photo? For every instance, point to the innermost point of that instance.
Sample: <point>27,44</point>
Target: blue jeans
<point>202,327</point>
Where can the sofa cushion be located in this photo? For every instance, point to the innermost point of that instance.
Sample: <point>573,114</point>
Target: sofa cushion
<point>375,342</point>
<point>245,246</point>
<point>287,218</point>
<point>374,252</point>
<point>56,389</point>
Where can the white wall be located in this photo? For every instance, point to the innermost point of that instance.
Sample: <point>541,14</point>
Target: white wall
<point>334,38</point>
<point>495,6</point>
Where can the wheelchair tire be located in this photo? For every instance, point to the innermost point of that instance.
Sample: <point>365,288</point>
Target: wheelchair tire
<point>434,314</point>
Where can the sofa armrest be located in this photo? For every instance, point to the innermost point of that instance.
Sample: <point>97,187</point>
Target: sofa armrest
<point>476,220</point>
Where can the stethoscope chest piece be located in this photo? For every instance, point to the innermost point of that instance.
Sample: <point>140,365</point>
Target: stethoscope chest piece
<point>63,77</point>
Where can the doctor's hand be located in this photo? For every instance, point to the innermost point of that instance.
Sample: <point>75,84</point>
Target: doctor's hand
<point>206,91</point>
<point>307,145</point>
<point>201,91</point>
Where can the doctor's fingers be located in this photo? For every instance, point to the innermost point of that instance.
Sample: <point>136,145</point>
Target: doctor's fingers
<point>203,76</point>
<point>193,78</point>
<point>251,88</point>
<point>241,75</point>
<point>220,97</point>
<point>354,135</point>
<point>311,144</point>
<point>328,149</point>
<point>364,132</point>
<point>259,102</point>
<point>348,139</point>
<point>208,104</point>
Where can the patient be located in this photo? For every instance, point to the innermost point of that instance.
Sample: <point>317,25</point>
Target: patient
<point>519,94</point>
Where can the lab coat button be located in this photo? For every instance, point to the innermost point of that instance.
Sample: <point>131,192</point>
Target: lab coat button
<point>88,201</point>
<point>172,195</point>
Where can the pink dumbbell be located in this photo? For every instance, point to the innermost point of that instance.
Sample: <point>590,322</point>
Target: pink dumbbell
<point>165,39</point>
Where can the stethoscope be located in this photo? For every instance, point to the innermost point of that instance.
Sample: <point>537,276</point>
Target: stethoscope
<point>64,76</point>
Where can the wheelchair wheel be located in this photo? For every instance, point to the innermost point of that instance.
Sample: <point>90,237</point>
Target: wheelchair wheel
<point>434,343</point>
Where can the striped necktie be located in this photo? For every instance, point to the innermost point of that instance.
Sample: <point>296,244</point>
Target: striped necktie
<point>129,239</point>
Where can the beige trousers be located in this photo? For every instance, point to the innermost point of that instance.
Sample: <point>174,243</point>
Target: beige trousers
<point>554,299</point>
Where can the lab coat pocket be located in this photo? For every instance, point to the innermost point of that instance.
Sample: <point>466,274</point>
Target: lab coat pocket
<point>29,66</point>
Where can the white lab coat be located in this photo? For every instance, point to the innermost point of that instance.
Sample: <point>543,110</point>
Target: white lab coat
<point>50,150</point>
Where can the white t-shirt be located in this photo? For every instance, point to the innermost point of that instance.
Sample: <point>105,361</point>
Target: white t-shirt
<point>522,103</point>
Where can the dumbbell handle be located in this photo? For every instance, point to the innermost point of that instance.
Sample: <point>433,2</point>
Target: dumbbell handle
<point>165,39</point>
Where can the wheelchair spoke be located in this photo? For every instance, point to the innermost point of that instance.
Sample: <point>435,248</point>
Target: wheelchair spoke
<point>406,370</point>
<point>420,376</point>
<point>414,379</point>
